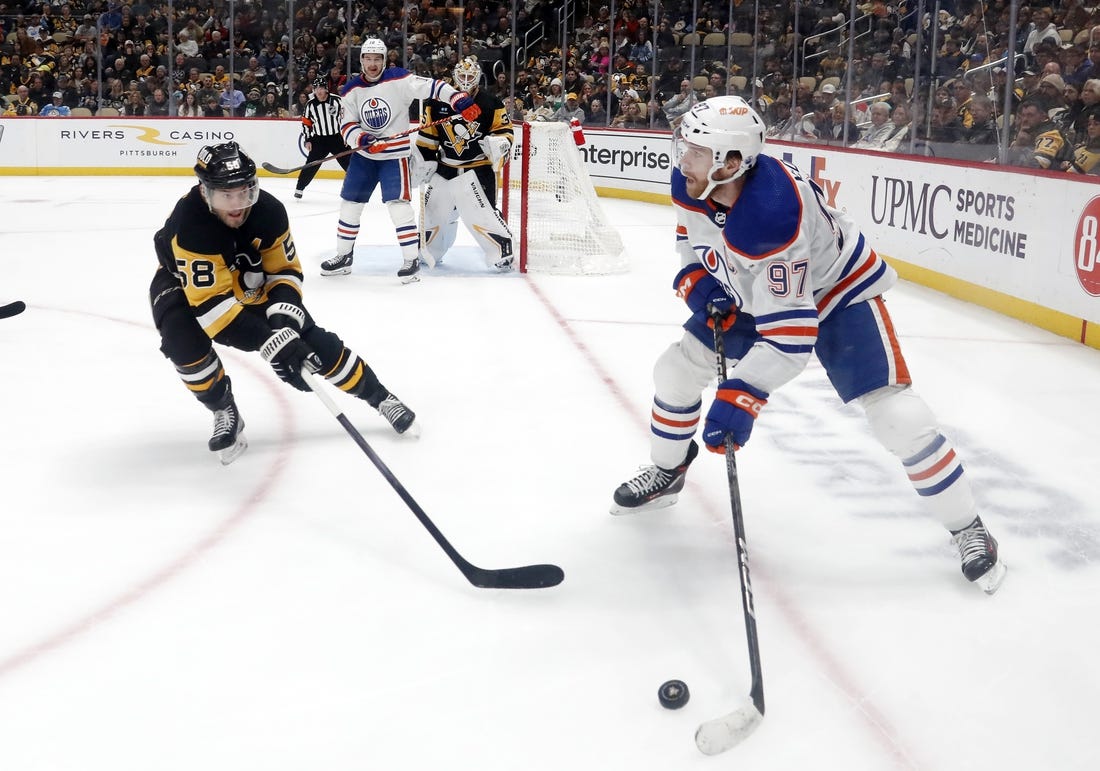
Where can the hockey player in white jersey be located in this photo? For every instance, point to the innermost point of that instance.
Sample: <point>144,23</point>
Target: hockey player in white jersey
<point>458,172</point>
<point>376,105</point>
<point>785,275</point>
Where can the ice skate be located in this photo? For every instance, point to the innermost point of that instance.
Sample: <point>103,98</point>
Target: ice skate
<point>298,193</point>
<point>228,439</point>
<point>654,487</point>
<point>504,264</point>
<point>399,416</point>
<point>340,265</point>
<point>978,551</point>
<point>410,271</point>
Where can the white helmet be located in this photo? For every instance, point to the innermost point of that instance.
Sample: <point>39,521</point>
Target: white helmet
<point>372,45</point>
<point>722,124</point>
<point>467,74</point>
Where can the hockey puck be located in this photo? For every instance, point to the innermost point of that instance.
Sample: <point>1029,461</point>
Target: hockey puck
<point>673,694</point>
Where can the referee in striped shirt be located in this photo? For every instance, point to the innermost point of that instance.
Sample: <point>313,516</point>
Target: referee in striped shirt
<point>321,129</point>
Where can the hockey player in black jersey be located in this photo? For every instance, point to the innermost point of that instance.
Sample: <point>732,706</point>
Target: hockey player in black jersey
<point>229,273</point>
<point>457,169</point>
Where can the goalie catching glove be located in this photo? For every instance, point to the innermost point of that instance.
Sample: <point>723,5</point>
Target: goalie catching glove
<point>703,292</point>
<point>496,149</point>
<point>736,407</point>
<point>288,354</point>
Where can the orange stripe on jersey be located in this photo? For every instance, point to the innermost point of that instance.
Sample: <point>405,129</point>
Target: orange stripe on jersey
<point>851,278</point>
<point>944,462</point>
<point>673,423</point>
<point>901,369</point>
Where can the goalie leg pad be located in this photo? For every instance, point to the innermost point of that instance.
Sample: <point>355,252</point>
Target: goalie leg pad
<point>482,220</point>
<point>440,220</point>
<point>902,422</point>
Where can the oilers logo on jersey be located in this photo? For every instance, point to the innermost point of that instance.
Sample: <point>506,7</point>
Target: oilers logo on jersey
<point>375,113</point>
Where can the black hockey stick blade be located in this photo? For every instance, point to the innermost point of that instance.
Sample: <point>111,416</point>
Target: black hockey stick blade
<point>525,577</point>
<point>12,309</point>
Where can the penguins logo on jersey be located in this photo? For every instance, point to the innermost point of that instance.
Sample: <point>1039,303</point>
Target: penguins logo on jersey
<point>461,135</point>
<point>375,113</point>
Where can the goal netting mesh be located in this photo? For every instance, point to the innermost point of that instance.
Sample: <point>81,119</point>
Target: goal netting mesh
<point>552,209</point>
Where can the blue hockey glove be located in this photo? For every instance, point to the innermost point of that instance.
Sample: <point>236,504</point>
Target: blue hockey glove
<point>703,292</point>
<point>465,105</point>
<point>366,140</point>
<point>736,406</point>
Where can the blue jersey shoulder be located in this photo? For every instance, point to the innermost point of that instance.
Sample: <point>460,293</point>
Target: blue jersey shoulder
<point>768,212</point>
<point>393,73</point>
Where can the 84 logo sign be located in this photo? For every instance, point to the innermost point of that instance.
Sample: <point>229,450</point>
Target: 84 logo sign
<point>1086,248</point>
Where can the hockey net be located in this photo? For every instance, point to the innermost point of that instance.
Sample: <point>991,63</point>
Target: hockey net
<point>551,207</point>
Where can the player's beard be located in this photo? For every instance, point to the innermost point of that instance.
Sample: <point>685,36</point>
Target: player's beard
<point>695,186</point>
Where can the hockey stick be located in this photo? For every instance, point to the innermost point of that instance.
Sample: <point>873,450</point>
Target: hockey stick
<point>12,309</point>
<point>382,143</point>
<point>525,577</point>
<point>723,733</point>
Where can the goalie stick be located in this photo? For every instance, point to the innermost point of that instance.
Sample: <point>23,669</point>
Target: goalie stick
<point>525,577</point>
<point>12,309</point>
<point>380,144</point>
<point>723,733</point>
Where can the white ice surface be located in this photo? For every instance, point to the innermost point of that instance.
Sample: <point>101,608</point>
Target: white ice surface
<point>162,613</point>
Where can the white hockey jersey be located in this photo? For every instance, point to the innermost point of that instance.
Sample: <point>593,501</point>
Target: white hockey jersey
<point>785,257</point>
<point>382,108</point>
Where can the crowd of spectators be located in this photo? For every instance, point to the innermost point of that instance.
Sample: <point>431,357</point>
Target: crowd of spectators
<point>644,67</point>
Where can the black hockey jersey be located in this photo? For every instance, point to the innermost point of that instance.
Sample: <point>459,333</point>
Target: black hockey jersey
<point>455,143</point>
<point>222,269</point>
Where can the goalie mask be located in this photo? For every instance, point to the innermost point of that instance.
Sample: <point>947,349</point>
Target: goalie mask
<point>467,75</point>
<point>228,179</point>
<point>720,125</point>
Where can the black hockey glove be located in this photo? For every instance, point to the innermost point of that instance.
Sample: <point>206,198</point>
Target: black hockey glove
<point>284,314</point>
<point>287,354</point>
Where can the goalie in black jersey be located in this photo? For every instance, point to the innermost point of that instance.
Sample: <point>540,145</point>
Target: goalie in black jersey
<point>458,164</point>
<point>229,273</point>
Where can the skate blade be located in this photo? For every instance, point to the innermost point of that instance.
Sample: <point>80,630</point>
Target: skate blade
<point>230,454</point>
<point>993,578</point>
<point>336,272</point>
<point>410,279</point>
<point>657,503</point>
<point>413,431</point>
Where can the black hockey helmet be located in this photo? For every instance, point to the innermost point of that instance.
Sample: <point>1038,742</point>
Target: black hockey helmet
<point>224,166</point>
